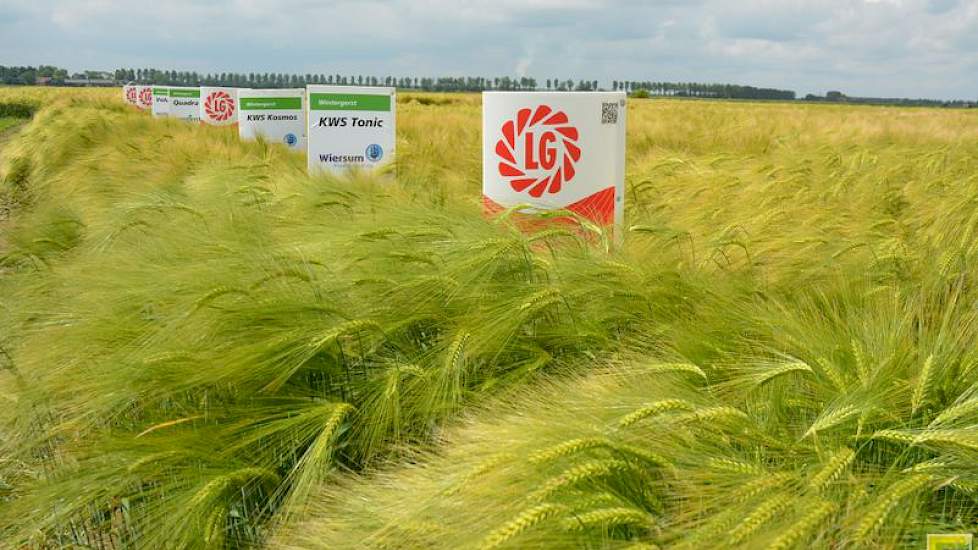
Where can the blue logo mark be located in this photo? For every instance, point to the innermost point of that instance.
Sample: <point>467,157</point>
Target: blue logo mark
<point>291,140</point>
<point>375,152</point>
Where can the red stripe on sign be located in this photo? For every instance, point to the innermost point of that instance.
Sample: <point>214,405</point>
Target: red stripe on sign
<point>599,208</point>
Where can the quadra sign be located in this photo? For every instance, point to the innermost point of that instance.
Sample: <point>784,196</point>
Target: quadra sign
<point>184,103</point>
<point>555,151</point>
<point>350,127</point>
<point>278,115</point>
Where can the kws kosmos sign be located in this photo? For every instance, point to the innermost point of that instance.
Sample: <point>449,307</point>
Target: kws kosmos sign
<point>555,151</point>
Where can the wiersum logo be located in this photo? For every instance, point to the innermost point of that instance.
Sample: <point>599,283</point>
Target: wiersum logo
<point>538,151</point>
<point>131,95</point>
<point>219,105</point>
<point>146,97</point>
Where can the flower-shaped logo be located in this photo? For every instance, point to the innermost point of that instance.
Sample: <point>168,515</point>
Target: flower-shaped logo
<point>146,97</point>
<point>219,105</point>
<point>132,95</point>
<point>538,151</point>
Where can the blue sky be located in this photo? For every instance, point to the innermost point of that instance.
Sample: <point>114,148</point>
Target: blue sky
<point>906,48</point>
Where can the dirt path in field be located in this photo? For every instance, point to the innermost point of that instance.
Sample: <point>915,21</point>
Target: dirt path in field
<point>5,208</point>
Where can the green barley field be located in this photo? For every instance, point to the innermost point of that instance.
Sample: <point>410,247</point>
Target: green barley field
<point>203,347</point>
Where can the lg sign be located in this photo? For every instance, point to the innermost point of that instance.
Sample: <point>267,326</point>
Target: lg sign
<point>547,151</point>
<point>538,150</point>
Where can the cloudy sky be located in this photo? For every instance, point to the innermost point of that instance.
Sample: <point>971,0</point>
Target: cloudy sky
<point>906,48</point>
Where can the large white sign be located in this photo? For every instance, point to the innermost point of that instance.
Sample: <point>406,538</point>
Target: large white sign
<point>279,116</point>
<point>184,103</point>
<point>130,94</point>
<point>161,102</point>
<point>218,106</point>
<point>555,151</point>
<point>350,127</point>
<point>144,97</point>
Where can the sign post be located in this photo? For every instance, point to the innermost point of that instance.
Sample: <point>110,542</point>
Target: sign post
<point>218,106</point>
<point>184,103</point>
<point>161,102</point>
<point>144,97</point>
<point>350,127</point>
<point>278,116</point>
<point>555,151</point>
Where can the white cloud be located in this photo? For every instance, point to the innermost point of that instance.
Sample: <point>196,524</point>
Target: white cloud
<point>868,47</point>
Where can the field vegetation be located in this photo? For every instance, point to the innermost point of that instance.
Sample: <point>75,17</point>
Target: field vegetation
<point>203,347</point>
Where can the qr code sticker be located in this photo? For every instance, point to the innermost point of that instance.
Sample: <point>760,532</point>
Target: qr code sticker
<point>609,113</point>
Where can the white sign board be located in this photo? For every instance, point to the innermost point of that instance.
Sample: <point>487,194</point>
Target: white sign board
<point>279,116</point>
<point>144,97</point>
<point>349,127</point>
<point>161,102</point>
<point>555,151</point>
<point>131,94</point>
<point>185,103</point>
<point>218,106</point>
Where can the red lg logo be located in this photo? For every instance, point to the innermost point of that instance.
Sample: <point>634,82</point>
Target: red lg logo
<point>219,105</point>
<point>146,96</point>
<point>548,144</point>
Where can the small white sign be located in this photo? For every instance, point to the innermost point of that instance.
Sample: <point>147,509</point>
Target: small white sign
<point>130,94</point>
<point>184,103</point>
<point>350,127</point>
<point>218,106</point>
<point>161,102</point>
<point>144,97</point>
<point>279,116</point>
<point>555,151</point>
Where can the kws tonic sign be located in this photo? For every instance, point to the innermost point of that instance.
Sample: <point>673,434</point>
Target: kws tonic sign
<point>161,102</point>
<point>184,103</point>
<point>277,115</point>
<point>350,127</point>
<point>218,106</point>
<point>555,151</point>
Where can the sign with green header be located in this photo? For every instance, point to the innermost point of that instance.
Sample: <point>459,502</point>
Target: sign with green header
<point>270,103</point>
<point>278,116</point>
<point>350,102</point>
<point>350,127</point>
<point>184,103</point>
<point>949,542</point>
<point>161,102</point>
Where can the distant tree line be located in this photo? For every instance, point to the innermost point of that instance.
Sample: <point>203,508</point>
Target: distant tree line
<point>839,97</point>
<point>47,74</point>
<point>695,89</point>
<point>30,75</point>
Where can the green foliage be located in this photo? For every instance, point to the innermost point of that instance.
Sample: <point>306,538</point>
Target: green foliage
<point>203,347</point>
